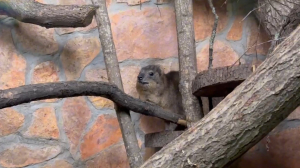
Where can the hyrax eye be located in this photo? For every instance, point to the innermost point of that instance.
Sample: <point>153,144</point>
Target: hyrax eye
<point>151,73</point>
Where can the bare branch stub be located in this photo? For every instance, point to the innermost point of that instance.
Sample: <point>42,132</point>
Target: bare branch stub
<point>47,15</point>
<point>113,72</point>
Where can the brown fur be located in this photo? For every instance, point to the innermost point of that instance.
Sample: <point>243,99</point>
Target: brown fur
<point>161,89</point>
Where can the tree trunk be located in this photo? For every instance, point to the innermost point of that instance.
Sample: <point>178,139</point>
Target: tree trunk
<point>243,118</point>
<point>114,77</point>
<point>279,18</point>
<point>48,16</point>
<point>187,59</point>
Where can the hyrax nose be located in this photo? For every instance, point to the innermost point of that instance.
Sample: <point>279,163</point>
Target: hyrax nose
<point>140,78</point>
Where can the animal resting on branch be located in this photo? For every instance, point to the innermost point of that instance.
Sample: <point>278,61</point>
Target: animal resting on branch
<point>243,118</point>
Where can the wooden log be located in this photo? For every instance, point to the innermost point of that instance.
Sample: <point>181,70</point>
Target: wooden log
<point>49,16</point>
<point>219,82</point>
<point>279,19</point>
<point>187,59</point>
<point>243,118</point>
<point>160,139</point>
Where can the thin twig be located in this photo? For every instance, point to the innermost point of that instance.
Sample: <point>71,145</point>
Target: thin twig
<point>213,34</point>
<point>258,33</point>
<point>252,47</point>
<point>252,11</point>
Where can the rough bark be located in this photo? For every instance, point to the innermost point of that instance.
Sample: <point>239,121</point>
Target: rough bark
<point>114,77</point>
<point>187,59</point>
<point>220,81</point>
<point>243,118</point>
<point>278,17</point>
<point>28,93</point>
<point>48,16</point>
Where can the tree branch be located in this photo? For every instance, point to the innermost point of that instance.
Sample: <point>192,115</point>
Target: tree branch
<point>213,34</point>
<point>49,16</point>
<point>243,118</point>
<point>187,59</point>
<point>33,92</point>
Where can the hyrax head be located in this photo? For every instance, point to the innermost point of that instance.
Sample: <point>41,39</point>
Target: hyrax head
<point>150,78</point>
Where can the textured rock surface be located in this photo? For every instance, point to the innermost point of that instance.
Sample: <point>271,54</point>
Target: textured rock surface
<point>236,30</point>
<point>255,38</point>
<point>115,156</point>
<point>104,132</point>
<point>44,124</point>
<point>223,55</point>
<point>58,164</point>
<point>10,121</point>
<point>45,72</point>
<point>12,64</point>
<point>21,156</point>
<point>77,54</point>
<point>204,18</point>
<point>76,115</point>
<point>36,39</point>
<point>151,35</point>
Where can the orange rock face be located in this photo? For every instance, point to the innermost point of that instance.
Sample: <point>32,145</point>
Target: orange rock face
<point>236,30</point>
<point>10,121</point>
<point>45,72</point>
<point>21,156</point>
<point>140,34</point>
<point>76,115</point>
<point>44,124</point>
<point>114,156</point>
<point>77,54</point>
<point>104,133</point>
<point>255,38</point>
<point>223,55</point>
<point>204,18</point>
<point>36,39</point>
<point>12,65</point>
<point>59,164</point>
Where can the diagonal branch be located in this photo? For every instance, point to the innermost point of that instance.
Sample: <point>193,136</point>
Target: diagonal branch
<point>48,16</point>
<point>243,118</point>
<point>28,93</point>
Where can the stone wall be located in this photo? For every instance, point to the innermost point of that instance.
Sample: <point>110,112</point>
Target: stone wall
<point>84,131</point>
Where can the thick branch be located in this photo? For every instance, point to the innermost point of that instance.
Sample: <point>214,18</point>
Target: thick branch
<point>48,16</point>
<point>279,18</point>
<point>243,118</point>
<point>114,77</point>
<point>187,59</point>
<point>28,93</point>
